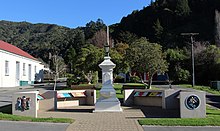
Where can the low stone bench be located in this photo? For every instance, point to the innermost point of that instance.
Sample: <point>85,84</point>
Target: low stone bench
<point>69,98</point>
<point>191,104</point>
<point>161,98</point>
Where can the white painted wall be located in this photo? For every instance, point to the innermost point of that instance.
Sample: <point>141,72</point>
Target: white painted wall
<point>10,80</point>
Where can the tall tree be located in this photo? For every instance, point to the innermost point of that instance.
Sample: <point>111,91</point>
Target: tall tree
<point>182,8</point>
<point>158,30</point>
<point>177,67</point>
<point>79,40</point>
<point>144,56</point>
<point>99,38</point>
<point>92,27</point>
<point>71,58</point>
<point>88,59</point>
<point>207,65</point>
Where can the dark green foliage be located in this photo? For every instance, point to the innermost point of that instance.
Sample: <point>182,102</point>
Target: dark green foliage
<point>92,27</point>
<point>135,79</point>
<point>161,22</point>
<point>177,59</point>
<point>158,30</point>
<point>175,17</point>
<point>119,79</point>
<point>145,57</point>
<point>208,65</point>
<point>182,8</point>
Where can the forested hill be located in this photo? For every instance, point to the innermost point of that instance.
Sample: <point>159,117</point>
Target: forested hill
<point>40,39</point>
<point>164,20</point>
<point>161,22</point>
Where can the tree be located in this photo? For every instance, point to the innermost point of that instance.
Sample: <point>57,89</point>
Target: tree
<point>177,67</point>
<point>144,56</point>
<point>99,39</point>
<point>92,27</point>
<point>87,61</point>
<point>71,58</point>
<point>79,40</point>
<point>207,65</point>
<point>120,61</point>
<point>121,48</point>
<point>126,37</point>
<point>182,8</point>
<point>58,67</point>
<point>158,30</point>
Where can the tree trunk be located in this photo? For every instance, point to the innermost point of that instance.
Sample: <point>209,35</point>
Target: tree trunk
<point>150,82</point>
<point>217,28</point>
<point>140,75</point>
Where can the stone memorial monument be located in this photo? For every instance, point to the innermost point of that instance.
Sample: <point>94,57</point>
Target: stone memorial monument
<point>25,103</point>
<point>192,104</point>
<point>107,102</point>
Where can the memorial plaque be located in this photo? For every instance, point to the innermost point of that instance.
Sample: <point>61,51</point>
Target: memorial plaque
<point>192,102</point>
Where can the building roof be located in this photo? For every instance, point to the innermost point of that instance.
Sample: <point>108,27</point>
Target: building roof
<point>15,50</point>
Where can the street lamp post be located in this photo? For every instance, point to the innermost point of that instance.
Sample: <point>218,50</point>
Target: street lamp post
<point>193,62</point>
<point>107,45</point>
<point>192,55</point>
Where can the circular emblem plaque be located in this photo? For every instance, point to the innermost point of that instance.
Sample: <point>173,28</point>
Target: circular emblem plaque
<point>192,102</point>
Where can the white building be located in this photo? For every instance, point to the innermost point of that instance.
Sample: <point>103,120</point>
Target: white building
<point>17,67</point>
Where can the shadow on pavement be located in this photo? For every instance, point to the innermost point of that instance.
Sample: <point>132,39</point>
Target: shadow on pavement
<point>213,100</point>
<point>158,112</point>
<point>76,110</point>
<point>6,109</point>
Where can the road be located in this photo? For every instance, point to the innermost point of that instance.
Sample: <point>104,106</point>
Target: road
<point>31,126</point>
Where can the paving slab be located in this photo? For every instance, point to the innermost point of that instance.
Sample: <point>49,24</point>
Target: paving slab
<point>88,121</point>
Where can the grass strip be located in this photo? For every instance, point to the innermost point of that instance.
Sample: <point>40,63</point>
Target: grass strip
<point>181,121</point>
<point>31,119</point>
<point>212,119</point>
<point>202,88</point>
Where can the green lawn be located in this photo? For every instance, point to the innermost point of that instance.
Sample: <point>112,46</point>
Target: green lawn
<point>31,119</point>
<point>212,119</point>
<point>203,88</point>
<point>117,88</point>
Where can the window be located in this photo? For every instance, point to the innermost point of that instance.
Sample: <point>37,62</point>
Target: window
<point>24,70</point>
<point>6,68</point>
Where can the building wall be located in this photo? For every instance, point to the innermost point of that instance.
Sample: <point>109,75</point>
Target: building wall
<point>10,80</point>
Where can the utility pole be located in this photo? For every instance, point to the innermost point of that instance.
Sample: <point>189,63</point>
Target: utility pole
<point>192,55</point>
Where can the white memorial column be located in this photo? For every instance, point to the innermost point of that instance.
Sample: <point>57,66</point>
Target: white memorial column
<point>107,102</point>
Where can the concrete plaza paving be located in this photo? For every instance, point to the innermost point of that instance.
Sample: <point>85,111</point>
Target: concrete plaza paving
<point>85,120</point>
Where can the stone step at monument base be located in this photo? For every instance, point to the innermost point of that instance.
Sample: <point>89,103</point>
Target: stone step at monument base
<point>108,106</point>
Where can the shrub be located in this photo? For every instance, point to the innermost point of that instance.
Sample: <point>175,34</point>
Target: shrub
<point>119,79</point>
<point>183,75</point>
<point>134,79</point>
<point>95,77</point>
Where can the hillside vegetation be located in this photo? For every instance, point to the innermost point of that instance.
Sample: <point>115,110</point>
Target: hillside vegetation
<point>157,26</point>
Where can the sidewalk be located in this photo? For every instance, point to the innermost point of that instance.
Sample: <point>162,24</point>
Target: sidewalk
<point>85,120</point>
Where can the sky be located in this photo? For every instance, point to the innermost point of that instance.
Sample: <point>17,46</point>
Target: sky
<point>70,13</point>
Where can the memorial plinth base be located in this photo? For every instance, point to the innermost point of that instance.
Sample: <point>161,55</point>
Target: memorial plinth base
<point>104,106</point>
